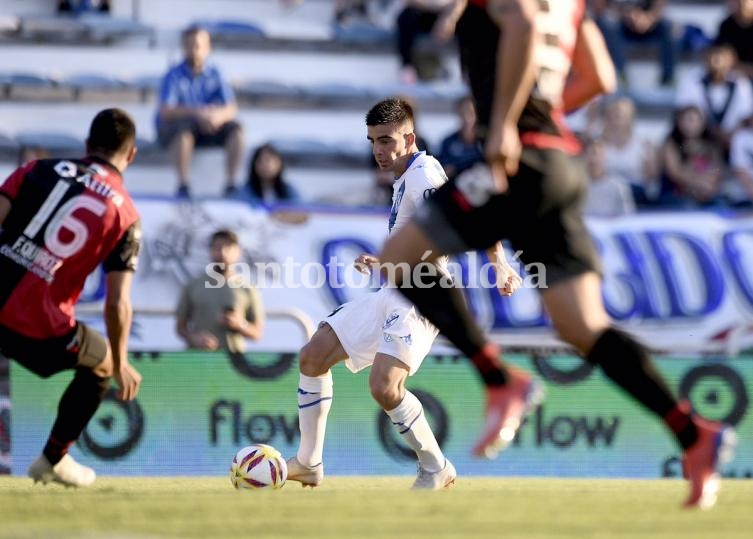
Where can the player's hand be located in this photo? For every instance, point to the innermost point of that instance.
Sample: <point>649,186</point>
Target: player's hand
<point>502,153</point>
<point>364,262</point>
<point>508,280</point>
<point>204,340</point>
<point>128,380</point>
<point>232,321</point>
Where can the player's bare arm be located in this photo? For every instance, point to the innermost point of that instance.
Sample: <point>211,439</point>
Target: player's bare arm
<point>508,280</point>
<point>118,317</point>
<point>592,72</point>
<point>516,76</point>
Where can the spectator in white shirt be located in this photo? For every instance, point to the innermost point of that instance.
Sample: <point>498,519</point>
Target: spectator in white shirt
<point>608,195</point>
<point>741,162</point>
<point>628,156</point>
<point>724,95</point>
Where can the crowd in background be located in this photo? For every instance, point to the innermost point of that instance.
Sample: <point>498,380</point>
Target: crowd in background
<point>704,161</point>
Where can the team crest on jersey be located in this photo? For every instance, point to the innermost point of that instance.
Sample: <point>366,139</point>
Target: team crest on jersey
<point>407,339</point>
<point>390,320</point>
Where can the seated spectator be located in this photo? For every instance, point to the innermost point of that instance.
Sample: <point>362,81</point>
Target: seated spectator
<point>725,96</point>
<point>435,18</point>
<point>461,150</point>
<point>345,9</point>
<point>741,163</point>
<point>692,162</point>
<point>266,183</point>
<point>627,23</point>
<point>608,196</point>
<point>211,317</point>
<point>737,32</point>
<point>197,108</point>
<point>83,6</point>
<point>627,155</point>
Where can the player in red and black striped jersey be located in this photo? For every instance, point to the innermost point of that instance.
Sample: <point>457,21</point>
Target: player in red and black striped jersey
<point>529,62</point>
<point>59,220</point>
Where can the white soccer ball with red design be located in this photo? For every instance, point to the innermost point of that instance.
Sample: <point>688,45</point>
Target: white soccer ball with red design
<point>258,466</point>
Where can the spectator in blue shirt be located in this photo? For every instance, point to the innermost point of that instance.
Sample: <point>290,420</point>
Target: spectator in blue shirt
<point>461,150</point>
<point>197,108</point>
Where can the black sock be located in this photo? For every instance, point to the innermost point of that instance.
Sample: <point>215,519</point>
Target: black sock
<point>77,406</point>
<point>627,362</point>
<point>445,307</point>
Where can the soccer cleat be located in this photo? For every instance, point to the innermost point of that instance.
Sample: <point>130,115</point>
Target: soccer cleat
<point>426,480</point>
<point>67,472</point>
<point>307,476</point>
<point>506,406</point>
<point>700,463</point>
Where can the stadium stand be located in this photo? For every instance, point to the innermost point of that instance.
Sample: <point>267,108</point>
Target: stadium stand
<point>301,81</point>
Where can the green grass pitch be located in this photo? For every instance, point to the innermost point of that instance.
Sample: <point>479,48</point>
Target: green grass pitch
<point>371,507</point>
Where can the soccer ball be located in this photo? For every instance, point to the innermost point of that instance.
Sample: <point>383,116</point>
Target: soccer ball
<point>258,466</point>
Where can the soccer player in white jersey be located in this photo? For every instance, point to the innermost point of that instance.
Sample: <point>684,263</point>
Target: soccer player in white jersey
<point>381,329</point>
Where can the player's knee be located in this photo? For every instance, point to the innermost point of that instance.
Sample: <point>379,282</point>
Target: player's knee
<point>386,394</point>
<point>581,337</point>
<point>311,360</point>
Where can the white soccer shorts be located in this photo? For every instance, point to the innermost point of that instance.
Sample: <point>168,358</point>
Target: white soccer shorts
<point>382,322</point>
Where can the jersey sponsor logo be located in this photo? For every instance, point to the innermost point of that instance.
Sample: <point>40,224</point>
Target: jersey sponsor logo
<point>69,170</point>
<point>34,258</point>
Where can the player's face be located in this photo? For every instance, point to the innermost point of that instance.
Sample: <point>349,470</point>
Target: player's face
<point>196,48</point>
<point>225,252</point>
<point>389,143</point>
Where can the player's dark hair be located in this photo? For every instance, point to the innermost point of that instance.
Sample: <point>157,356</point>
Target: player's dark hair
<point>226,235</point>
<point>393,110</point>
<point>193,30</point>
<point>111,132</point>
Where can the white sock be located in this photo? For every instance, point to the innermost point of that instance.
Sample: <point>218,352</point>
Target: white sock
<point>314,402</point>
<point>410,421</point>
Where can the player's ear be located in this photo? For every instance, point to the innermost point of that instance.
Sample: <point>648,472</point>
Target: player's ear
<point>410,139</point>
<point>132,154</point>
